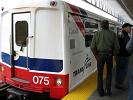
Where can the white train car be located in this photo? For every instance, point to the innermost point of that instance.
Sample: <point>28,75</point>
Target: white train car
<point>45,46</point>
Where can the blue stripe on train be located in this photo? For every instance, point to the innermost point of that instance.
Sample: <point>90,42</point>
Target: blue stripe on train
<point>50,65</point>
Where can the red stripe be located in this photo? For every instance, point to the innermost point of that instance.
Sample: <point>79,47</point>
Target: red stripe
<point>77,18</point>
<point>79,23</point>
<point>74,9</point>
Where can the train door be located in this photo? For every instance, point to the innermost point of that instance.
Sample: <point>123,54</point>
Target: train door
<point>19,45</point>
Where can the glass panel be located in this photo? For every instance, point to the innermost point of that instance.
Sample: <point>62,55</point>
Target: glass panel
<point>88,39</point>
<point>72,43</point>
<point>91,26</point>
<point>21,30</point>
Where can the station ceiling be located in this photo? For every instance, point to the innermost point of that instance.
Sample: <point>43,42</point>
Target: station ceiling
<point>128,6</point>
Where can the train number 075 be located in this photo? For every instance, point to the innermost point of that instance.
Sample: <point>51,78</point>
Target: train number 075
<point>41,80</point>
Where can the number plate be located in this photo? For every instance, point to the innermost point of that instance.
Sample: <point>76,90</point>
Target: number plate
<point>40,80</point>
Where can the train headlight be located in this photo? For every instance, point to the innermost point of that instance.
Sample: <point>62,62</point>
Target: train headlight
<point>59,81</point>
<point>2,68</point>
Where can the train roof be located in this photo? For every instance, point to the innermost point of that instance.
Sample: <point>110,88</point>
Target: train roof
<point>16,4</point>
<point>12,4</point>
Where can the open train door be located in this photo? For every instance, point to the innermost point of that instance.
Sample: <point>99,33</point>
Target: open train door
<point>19,45</point>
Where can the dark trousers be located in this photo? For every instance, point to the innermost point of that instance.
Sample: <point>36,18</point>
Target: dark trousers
<point>121,69</point>
<point>102,59</point>
<point>130,95</point>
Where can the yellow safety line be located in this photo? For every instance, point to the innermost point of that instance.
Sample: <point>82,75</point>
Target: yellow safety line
<point>83,91</point>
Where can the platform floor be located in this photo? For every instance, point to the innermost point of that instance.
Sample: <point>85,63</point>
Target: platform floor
<point>87,90</point>
<point>117,94</point>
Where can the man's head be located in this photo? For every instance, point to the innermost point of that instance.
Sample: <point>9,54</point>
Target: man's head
<point>105,24</point>
<point>127,27</point>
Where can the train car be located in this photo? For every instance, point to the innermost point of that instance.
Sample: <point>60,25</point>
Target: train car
<point>45,46</point>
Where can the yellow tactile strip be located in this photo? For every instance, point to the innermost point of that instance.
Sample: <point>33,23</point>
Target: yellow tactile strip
<point>83,91</point>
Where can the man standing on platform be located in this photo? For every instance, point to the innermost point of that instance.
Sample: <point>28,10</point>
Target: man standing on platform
<point>104,45</point>
<point>129,48</point>
<point>122,58</point>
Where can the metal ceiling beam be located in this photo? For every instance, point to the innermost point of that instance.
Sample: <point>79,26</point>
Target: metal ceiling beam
<point>124,6</point>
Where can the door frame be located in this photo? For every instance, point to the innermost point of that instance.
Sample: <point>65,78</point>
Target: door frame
<point>12,61</point>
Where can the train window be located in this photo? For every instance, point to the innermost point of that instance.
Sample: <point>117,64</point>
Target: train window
<point>112,27</point>
<point>88,39</point>
<point>118,30</point>
<point>91,26</point>
<point>72,43</point>
<point>21,32</point>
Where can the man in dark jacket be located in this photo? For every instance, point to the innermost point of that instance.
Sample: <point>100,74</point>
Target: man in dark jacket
<point>104,45</point>
<point>129,48</point>
<point>122,58</point>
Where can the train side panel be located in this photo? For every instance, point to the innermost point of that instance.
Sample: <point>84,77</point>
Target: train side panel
<point>82,60</point>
